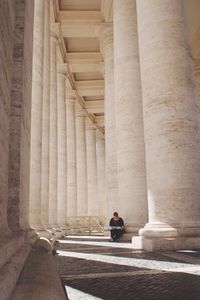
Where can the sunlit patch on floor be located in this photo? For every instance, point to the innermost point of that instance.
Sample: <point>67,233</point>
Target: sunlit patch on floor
<point>74,294</point>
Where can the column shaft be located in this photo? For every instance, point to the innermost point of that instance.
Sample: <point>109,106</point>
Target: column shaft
<point>110,122</point>
<point>46,121</point>
<point>129,117</point>
<point>62,151</point>
<point>171,125</point>
<point>53,155</point>
<point>101,191</point>
<point>71,155</point>
<point>91,171</point>
<point>36,116</point>
<point>81,166</point>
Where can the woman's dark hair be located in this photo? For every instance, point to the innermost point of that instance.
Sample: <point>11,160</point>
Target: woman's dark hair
<point>115,214</point>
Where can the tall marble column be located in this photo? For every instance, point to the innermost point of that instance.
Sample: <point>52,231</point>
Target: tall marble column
<point>71,154</point>
<point>62,146</point>
<point>91,169</point>
<point>53,143</point>
<point>36,116</point>
<point>45,120</point>
<point>129,117</point>
<point>110,122</point>
<point>81,157</point>
<point>171,127</point>
<point>101,191</point>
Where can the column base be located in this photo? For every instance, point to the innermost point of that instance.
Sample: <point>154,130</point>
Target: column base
<point>165,244</point>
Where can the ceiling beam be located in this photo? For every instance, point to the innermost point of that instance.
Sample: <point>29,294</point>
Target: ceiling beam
<point>79,30</point>
<point>74,17</point>
<point>84,67</point>
<point>94,107</point>
<point>88,88</point>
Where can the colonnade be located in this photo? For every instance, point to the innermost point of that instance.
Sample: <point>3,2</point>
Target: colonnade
<point>67,152</point>
<point>147,165</point>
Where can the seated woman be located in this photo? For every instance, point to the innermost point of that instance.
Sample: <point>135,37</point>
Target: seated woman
<point>117,227</point>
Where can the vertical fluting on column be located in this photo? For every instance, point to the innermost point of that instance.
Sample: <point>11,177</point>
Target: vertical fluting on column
<point>101,191</point>
<point>53,143</point>
<point>71,153</point>
<point>110,122</point>
<point>170,125</point>
<point>45,120</point>
<point>81,158</point>
<point>129,117</point>
<point>62,147</point>
<point>91,168</point>
<point>36,116</point>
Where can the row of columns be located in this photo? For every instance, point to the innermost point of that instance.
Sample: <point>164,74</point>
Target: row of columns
<point>67,153</point>
<point>154,127</point>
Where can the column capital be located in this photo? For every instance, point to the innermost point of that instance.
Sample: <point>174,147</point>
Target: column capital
<point>106,36</point>
<point>89,124</point>
<point>62,69</point>
<point>81,113</point>
<point>99,135</point>
<point>107,9</point>
<point>71,95</point>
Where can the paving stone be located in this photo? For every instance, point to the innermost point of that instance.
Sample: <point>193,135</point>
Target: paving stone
<point>107,280</point>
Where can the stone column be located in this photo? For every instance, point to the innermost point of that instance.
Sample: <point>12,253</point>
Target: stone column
<point>129,117</point>
<point>45,120</point>
<point>62,146</point>
<point>110,122</point>
<point>171,127</point>
<point>101,191</point>
<point>36,116</point>
<point>53,155</point>
<point>81,157</point>
<point>71,154</point>
<point>91,168</point>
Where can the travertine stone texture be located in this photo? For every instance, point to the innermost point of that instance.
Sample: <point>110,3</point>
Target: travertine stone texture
<point>62,148</point>
<point>91,169</point>
<point>20,112</point>
<point>81,163</point>
<point>129,117</point>
<point>53,144</point>
<point>7,18</point>
<point>110,122</point>
<point>36,116</point>
<point>71,154</point>
<point>170,119</point>
<point>45,120</point>
<point>15,100</point>
<point>101,191</point>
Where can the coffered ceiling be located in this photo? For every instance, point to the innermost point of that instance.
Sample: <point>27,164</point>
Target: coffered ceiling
<point>79,22</point>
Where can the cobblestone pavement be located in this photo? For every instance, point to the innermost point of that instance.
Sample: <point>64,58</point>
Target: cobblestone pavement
<point>115,271</point>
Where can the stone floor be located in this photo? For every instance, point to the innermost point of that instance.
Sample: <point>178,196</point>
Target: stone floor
<point>103,270</point>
